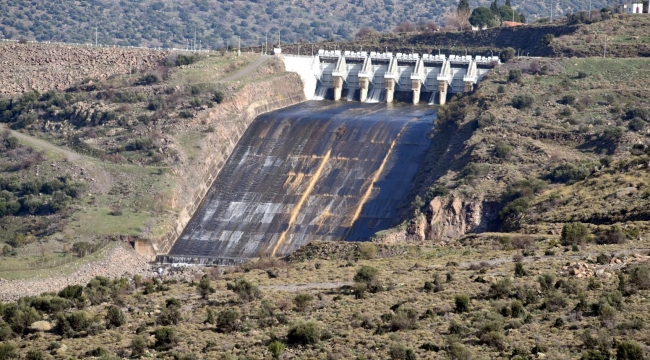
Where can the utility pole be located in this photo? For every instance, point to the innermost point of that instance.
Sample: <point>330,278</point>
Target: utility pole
<point>590,9</point>
<point>194,38</point>
<point>266,43</point>
<point>551,10</point>
<point>605,48</point>
<point>279,43</point>
<point>95,35</point>
<point>239,46</point>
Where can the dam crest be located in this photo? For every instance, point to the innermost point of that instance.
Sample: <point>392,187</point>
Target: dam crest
<point>379,77</point>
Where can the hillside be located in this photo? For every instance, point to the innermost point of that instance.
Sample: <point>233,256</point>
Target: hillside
<point>476,299</point>
<point>217,23</point>
<point>117,156</point>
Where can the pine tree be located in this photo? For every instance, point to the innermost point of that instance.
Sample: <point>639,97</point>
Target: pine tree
<point>463,6</point>
<point>494,7</point>
<point>508,3</point>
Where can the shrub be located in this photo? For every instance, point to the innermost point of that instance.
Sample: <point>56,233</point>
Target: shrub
<point>74,323</point>
<point>228,320</point>
<point>502,151</point>
<point>138,346</point>
<point>400,352</point>
<point>638,112</point>
<point>494,339</point>
<point>574,233</point>
<point>218,97</point>
<point>304,332</point>
<point>514,208</point>
<point>367,274</point>
<point>302,301</point>
<point>500,289</point>
<point>555,302</point>
<point>514,76</point>
<point>547,39</point>
<point>404,319</point>
<point>72,292</point>
<point>569,173</point>
<point>612,134</point>
<point>546,282</point>
<point>522,101</point>
<point>147,79</point>
<point>517,309</point>
<point>461,303</point>
<point>519,270</point>
<point>458,351</point>
<point>508,54</point>
<point>629,350</point>
<point>115,317</point>
<point>613,235</point>
<point>453,113</point>
<point>367,251</point>
<point>205,288</point>
<point>8,351</point>
<point>245,290</point>
<point>170,315</point>
<point>436,191</point>
<point>33,355</point>
<point>166,338</point>
<point>276,348</point>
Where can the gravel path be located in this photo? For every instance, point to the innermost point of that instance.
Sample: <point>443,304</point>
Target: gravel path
<point>303,287</point>
<point>248,69</point>
<point>119,262</point>
<point>42,144</point>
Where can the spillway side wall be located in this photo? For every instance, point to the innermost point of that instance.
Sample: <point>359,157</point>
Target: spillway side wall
<point>229,121</point>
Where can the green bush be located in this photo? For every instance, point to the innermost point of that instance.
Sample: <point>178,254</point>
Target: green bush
<point>568,99</point>
<point>508,54</point>
<point>228,320</point>
<point>304,332</point>
<point>574,233</point>
<point>33,355</point>
<point>629,350</point>
<point>613,235</point>
<point>546,282</point>
<point>276,348</point>
<point>205,287</point>
<point>461,303</point>
<point>522,101</point>
<point>138,346</point>
<point>502,151</point>
<point>367,274</point>
<point>303,301</point>
<point>517,309</point>
<point>500,289</point>
<point>404,319</point>
<point>400,352</point>
<point>8,351</point>
<point>570,173</point>
<point>218,97</point>
<point>166,338</point>
<point>514,208</point>
<point>519,270</point>
<point>436,191</point>
<point>547,39</point>
<point>72,292</point>
<point>367,251</point>
<point>514,76</point>
<point>114,317</point>
<point>451,114</point>
<point>147,79</point>
<point>245,290</point>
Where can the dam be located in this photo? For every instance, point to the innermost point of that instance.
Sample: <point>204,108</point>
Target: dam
<point>318,170</point>
<point>381,77</point>
<point>326,170</point>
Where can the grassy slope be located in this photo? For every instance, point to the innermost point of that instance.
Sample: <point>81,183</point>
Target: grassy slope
<point>140,187</point>
<point>544,136</point>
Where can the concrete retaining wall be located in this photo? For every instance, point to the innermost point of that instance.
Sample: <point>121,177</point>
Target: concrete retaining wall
<point>230,122</point>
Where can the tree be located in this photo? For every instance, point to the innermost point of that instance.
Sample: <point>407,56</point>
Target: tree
<point>463,5</point>
<point>574,233</point>
<point>462,303</point>
<point>458,19</point>
<point>508,3</point>
<point>481,16</point>
<point>494,7</point>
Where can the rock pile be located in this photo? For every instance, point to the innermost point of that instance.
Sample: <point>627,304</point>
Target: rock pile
<point>119,262</point>
<point>26,67</point>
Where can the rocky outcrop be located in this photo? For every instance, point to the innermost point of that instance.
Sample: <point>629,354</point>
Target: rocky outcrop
<point>42,67</point>
<point>451,217</point>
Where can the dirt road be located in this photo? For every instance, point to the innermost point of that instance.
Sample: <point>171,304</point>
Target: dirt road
<point>42,144</point>
<point>248,69</point>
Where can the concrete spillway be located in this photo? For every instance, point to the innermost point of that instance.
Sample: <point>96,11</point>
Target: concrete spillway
<point>318,170</point>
